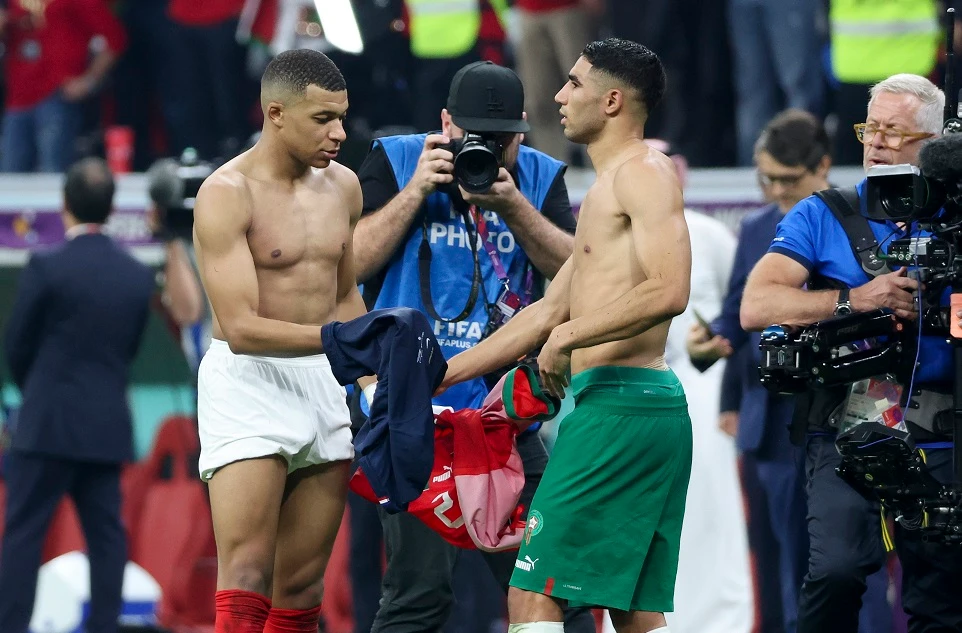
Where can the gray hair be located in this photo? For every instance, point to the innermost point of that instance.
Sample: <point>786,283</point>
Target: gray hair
<point>929,115</point>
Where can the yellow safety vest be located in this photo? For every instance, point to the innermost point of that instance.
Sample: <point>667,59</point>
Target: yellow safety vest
<point>443,28</point>
<point>873,39</point>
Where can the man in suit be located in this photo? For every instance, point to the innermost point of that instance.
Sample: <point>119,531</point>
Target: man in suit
<point>76,325</point>
<point>792,156</point>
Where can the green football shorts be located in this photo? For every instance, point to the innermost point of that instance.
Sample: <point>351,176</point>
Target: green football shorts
<point>605,523</point>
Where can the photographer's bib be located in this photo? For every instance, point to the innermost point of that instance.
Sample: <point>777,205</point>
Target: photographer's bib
<point>456,250</point>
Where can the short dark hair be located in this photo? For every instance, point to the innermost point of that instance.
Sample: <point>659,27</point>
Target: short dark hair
<point>631,63</point>
<point>795,138</point>
<point>88,190</point>
<point>295,70</point>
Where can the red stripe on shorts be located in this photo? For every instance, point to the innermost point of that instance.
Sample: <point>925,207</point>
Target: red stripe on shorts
<point>548,586</point>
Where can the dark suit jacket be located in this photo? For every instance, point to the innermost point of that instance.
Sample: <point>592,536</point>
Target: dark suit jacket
<point>77,322</point>
<point>763,416</point>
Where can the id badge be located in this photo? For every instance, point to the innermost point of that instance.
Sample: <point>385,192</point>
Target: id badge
<point>874,399</point>
<point>508,304</point>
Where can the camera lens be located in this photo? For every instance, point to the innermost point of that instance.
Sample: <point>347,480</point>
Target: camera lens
<point>476,167</point>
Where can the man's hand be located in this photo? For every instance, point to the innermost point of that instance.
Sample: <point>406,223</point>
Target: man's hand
<point>435,166</point>
<point>892,290</point>
<point>77,88</point>
<point>728,422</point>
<point>702,345</point>
<point>503,196</point>
<point>553,364</point>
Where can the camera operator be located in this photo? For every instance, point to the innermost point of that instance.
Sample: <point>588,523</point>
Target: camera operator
<point>169,219</point>
<point>489,253</point>
<point>811,273</point>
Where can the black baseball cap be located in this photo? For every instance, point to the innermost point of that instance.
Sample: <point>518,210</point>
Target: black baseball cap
<point>485,97</point>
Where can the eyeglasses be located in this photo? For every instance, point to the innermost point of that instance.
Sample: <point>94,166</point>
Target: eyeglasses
<point>892,138</point>
<point>786,180</point>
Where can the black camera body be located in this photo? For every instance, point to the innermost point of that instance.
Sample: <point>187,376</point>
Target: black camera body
<point>477,160</point>
<point>173,186</point>
<point>833,352</point>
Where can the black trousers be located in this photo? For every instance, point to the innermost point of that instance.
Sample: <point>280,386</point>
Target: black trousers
<point>417,595</point>
<point>846,546</point>
<point>35,486</point>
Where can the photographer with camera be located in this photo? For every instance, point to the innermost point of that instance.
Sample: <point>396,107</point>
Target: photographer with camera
<point>811,273</point>
<point>171,186</point>
<point>464,225</point>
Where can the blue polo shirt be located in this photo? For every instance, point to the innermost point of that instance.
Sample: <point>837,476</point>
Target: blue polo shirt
<point>812,236</point>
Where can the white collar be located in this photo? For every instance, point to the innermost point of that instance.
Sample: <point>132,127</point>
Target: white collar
<point>82,229</point>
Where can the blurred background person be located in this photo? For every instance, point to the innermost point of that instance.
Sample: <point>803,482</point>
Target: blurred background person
<point>49,73</point>
<point>713,590</point>
<point>869,42</point>
<point>776,65</point>
<point>79,317</point>
<point>552,34</point>
<point>172,185</point>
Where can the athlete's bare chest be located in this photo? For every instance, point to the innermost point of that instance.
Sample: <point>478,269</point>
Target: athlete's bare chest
<point>298,227</point>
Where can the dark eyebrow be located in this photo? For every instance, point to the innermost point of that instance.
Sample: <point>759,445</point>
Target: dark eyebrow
<point>329,113</point>
<point>573,78</point>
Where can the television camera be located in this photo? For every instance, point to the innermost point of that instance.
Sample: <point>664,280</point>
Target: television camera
<point>172,185</point>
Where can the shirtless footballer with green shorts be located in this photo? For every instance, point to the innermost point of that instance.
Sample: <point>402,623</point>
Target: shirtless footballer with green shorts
<point>605,524</point>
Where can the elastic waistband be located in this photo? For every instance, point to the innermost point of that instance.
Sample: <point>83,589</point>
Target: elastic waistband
<point>220,347</point>
<point>630,388</point>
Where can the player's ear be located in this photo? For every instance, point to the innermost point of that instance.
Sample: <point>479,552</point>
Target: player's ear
<point>614,101</point>
<point>275,112</point>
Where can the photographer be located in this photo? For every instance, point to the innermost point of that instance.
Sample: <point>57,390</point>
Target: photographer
<point>811,273</point>
<point>489,253</point>
<point>169,184</point>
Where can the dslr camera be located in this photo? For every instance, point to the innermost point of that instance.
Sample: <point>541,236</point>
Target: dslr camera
<point>478,157</point>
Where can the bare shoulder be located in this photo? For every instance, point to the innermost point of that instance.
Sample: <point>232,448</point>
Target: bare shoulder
<point>223,200</point>
<point>648,182</point>
<point>347,185</point>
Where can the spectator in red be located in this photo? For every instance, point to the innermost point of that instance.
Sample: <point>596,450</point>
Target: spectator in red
<point>48,75</point>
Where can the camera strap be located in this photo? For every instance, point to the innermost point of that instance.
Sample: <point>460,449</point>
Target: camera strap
<point>814,407</point>
<point>424,271</point>
<point>844,204</point>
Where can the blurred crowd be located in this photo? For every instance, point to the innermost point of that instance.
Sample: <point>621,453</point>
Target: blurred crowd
<point>139,80</point>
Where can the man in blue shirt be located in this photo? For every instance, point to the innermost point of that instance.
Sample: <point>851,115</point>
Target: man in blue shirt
<point>465,259</point>
<point>810,247</point>
<point>793,157</point>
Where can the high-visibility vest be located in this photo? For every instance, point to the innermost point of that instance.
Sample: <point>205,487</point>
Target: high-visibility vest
<point>443,28</point>
<point>873,39</point>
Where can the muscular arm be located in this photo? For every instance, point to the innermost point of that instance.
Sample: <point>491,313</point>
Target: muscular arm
<point>546,245</point>
<point>652,200</point>
<point>350,304</point>
<point>379,234</point>
<point>774,294</point>
<point>222,217</point>
<point>528,330</point>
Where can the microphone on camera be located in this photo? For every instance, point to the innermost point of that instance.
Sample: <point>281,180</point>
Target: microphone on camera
<point>941,159</point>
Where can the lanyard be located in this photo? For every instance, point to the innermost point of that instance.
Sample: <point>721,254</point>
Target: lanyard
<point>482,228</point>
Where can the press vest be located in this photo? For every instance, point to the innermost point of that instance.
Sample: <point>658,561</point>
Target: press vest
<point>452,263</point>
<point>873,39</point>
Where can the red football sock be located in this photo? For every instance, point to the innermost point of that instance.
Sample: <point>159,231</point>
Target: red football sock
<point>240,611</point>
<point>293,620</point>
